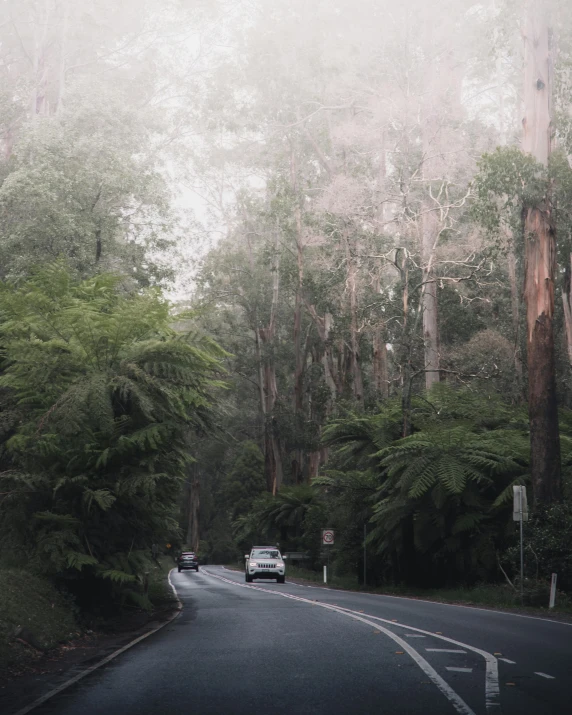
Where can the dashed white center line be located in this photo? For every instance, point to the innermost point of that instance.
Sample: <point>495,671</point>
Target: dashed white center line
<point>544,675</point>
<point>458,670</point>
<point>413,635</point>
<point>444,650</point>
<point>506,660</point>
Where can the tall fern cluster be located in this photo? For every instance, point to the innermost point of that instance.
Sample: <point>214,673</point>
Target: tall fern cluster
<point>441,511</point>
<point>101,402</point>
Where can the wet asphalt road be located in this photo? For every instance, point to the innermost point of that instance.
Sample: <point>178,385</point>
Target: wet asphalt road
<point>238,649</point>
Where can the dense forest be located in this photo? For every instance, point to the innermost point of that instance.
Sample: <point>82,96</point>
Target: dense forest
<point>271,267</point>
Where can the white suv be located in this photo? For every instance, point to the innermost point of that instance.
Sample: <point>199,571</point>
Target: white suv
<point>265,562</point>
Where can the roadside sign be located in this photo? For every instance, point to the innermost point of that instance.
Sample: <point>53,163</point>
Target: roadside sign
<point>520,505</point>
<point>328,537</point>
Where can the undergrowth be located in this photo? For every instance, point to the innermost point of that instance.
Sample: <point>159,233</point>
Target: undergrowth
<point>33,603</point>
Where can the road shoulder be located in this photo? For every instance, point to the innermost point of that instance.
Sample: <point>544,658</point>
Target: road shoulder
<point>529,612</point>
<point>57,667</point>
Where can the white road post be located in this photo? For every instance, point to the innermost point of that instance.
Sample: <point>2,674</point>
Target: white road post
<point>552,590</point>
<point>364,555</point>
<point>325,574</point>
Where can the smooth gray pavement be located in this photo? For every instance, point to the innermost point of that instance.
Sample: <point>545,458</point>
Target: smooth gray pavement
<point>238,649</point>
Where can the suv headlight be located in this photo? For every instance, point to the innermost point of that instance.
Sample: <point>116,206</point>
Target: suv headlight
<point>280,564</point>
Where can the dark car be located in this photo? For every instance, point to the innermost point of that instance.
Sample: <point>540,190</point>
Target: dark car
<point>187,560</point>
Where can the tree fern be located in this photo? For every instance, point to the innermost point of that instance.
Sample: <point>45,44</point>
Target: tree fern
<point>107,394</point>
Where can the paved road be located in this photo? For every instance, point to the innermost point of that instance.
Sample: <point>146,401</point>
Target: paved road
<point>270,648</point>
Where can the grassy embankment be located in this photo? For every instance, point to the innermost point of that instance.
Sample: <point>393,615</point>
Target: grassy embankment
<point>485,595</point>
<point>32,602</point>
<point>49,617</point>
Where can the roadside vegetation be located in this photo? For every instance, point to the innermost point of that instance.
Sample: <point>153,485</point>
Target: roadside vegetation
<point>34,617</point>
<point>242,302</point>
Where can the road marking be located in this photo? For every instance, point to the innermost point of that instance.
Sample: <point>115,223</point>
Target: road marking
<point>409,635</point>
<point>545,675</point>
<point>425,600</point>
<point>457,702</point>
<point>458,670</point>
<point>492,689</point>
<point>444,650</point>
<point>506,660</point>
<point>72,681</point>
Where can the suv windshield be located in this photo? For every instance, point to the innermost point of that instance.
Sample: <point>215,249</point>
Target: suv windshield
<point>265,554</point>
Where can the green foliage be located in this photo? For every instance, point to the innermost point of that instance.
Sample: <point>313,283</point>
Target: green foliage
<point>30,601</point>
<point>103,399</point>
<point>292,518</point>
<point>359,437</point>
<point>245,481</point>
<point>548,535</point>
<point>509,181</point>
<point>77,186</point>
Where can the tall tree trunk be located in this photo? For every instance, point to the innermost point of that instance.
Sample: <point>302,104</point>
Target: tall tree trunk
<point>567,301</point>
<point>355,360</point>
<point>39,64</point>
<point>62,58</point>
<point>429,232</point>
<point>540,267</point>
<point>194,506</point>
<point>269,393</point>
<point>515,306</point>
<point>299,351</point>
<point>379,361</point>
<point>380,375</point>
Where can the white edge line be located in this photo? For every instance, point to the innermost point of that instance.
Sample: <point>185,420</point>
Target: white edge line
<point>506,660</point>
<point>544,675</point>
<point>72,681</point>
<point>436,603</point>
<point>457,702</point>
<point>179,604</point>
<point>492,688</point>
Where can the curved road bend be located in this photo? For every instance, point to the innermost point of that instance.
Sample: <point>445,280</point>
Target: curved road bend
<point>239,648</point>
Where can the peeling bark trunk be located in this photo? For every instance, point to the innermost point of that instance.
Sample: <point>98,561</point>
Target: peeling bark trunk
<point>540,268</point>
<point>567,301</point>
<point>542,403</point>
<point>515,306</point>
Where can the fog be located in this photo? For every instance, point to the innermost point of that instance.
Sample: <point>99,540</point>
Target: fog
<point>216,99</point>
<point>274,266</point>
